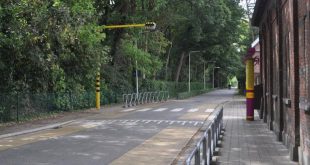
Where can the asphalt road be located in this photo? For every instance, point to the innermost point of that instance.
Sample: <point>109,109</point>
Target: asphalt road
<point>147,134</point>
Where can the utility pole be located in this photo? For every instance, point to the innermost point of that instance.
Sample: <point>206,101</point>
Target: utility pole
<point>189,68</point>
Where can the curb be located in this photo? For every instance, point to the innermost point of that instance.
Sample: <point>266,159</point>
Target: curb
<point>35,130</point>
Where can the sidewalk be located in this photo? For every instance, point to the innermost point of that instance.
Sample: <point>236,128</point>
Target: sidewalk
<point>249,142</point>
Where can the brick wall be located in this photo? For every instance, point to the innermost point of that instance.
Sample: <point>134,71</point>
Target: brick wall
<point>289,38</point>
<point>304,87</point>
<point>279,37</point>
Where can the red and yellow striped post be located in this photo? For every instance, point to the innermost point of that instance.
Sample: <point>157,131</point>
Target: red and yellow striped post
<point>249,89</point>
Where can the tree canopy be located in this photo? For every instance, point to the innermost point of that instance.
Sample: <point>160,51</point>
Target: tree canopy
<point>59,45</point>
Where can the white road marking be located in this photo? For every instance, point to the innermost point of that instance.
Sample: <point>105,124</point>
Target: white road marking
<point>196,123</point>
<point>160,109</point>
<point>145,109</point>
<point>193,110</point>
<point>131,121</point>
<point>209,110</point>
<point>177,109</point>
<point>110,122</point>
<point>128,110</point>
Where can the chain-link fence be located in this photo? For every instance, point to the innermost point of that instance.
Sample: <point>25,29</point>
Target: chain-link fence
<point>21,106</point>
<point>24,105</point>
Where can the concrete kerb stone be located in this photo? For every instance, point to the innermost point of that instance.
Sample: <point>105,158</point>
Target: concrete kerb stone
<point>52,126</point>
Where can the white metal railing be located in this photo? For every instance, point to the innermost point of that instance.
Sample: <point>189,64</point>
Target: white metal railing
<point>133,99</point>
<point>205,147</point>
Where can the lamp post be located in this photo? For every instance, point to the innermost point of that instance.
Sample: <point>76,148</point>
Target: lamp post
<point>189,68</point>
<point>204,73</point>
<point>213,73</point>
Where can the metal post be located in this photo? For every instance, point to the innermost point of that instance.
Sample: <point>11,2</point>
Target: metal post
<point>98,91</point>
<point>204,75</point>
<point>213,77</point>
<point>189,69</point>
<point>213,74</point>
<point>17,107</point>
<point>137,78</point>
<point>189,72</point>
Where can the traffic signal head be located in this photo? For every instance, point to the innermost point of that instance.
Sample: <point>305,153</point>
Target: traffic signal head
<point>150,25</point>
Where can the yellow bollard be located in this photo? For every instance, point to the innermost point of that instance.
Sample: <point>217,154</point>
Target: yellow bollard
<point>250,89</point>
<point>98,91</point>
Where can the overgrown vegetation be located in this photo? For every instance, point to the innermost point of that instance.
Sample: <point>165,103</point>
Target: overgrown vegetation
<point>57,46</point>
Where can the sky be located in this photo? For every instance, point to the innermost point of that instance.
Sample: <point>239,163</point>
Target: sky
<point>243,2</point>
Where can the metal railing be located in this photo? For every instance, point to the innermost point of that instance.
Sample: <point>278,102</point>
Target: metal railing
<point>205,147</point>
<point>134,99</point>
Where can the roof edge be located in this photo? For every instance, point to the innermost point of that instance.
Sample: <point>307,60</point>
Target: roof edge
<point>258,10</point>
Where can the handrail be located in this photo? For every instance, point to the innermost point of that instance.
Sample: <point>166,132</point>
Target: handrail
<point>208,141</point>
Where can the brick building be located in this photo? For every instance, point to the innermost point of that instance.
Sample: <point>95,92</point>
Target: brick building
<point>256,57</point>
<point>284,27</point>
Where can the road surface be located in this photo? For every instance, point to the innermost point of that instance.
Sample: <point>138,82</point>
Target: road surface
<point>145,134</point>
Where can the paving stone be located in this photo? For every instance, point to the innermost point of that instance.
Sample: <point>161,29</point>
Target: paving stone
<point>249,142</point>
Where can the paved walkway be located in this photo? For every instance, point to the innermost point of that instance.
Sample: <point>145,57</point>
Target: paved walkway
<point>249,143</point>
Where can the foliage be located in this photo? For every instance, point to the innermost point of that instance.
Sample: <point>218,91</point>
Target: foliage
<point>49,45</point>
<point>58,46</point>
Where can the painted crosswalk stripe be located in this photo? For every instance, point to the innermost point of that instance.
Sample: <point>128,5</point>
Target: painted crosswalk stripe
<point>144,109</point>
<point>196,123</point>
<point>131,121</point>
<point>177,109</point>
<point>193,110</point>
<point>159,122</point>
<point>160,109</point>
<point>209,110</point>
<point>128,110</point>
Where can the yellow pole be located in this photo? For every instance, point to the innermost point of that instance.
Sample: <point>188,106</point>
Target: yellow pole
<point>98,91</point>
<point>250,88</point>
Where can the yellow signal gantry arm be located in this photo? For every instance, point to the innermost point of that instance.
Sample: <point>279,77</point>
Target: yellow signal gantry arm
<point>148,25</point>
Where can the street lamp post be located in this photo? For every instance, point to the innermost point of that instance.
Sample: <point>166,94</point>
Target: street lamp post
<point>204,73</point>
<point>213,73</point>
<point>189,68</point>
<point>204,76</point>
<point>137,79</point>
